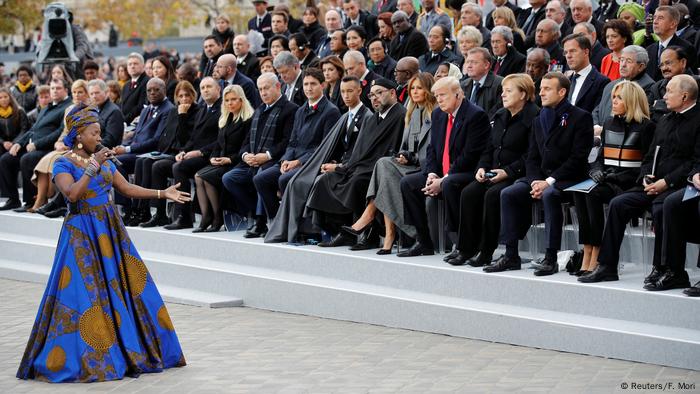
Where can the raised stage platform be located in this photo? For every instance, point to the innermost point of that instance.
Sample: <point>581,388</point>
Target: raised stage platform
<point>615,319</point>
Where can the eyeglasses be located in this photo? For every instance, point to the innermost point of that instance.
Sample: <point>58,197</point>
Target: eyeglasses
<point>377,94</point>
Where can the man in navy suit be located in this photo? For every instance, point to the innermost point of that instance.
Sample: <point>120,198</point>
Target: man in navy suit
<point>561,138</point>
<point>587,84</point>
<point>355,65</point>
<point>334,21</point>
<point>289,70</point>
<point>359,17</point>
<point>111,117</point>
<point>262,21</point>
<point>226,68</point>
<point>29,147</point>
<point>459,134</point>
<point>666,21</point>
<point>133,96</point>
<point>145,136</point>
<point>312,122</point>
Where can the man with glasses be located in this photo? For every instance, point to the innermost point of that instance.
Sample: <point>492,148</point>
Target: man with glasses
<point>408,40</point>
<point>406,68</point>
<point>674,61</point>
<point>339,197</point>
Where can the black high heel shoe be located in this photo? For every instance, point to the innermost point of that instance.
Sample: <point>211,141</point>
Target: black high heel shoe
<point>351,231</point>
<point>383,251</point>
<point>215,227</point>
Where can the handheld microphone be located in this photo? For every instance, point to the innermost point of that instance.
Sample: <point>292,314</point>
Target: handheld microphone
<point>113,159</point>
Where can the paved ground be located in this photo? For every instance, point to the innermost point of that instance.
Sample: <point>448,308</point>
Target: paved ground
<point>244,350</point>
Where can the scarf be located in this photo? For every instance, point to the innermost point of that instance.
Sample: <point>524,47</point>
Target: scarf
<point>265,138</point>
<point>6,112</point>
<point>77,119</point>
<point>23,88</point>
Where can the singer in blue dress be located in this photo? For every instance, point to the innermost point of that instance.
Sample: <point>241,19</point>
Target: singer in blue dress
<point>101,317</point>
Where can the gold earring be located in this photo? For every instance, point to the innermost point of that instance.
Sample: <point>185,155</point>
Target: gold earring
<point>80,145</point>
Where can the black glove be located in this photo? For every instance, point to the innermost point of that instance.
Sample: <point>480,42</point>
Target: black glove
<point>597,175</point>
<point>410,156</point>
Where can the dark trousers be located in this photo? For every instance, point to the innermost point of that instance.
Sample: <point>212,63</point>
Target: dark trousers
<point>680,225</point>
<point>183,172</point>
<point>624,207</point>
<point>451,190</point>
<point>480,217</point>
<point>128,167</point>
<point>10,166</point>
<point>268,182</point>
<point>239,183</point>
<point>591,213</point>
<point>414,205</point>
<point>516,213</point>
<point>142,177</point>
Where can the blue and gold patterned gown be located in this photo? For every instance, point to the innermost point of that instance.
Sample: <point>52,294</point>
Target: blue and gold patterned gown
<point>101,316</point>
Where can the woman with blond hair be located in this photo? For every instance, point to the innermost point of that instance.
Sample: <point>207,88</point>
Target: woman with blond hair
<point>625,139</point>
<point>384,193</point>
<point>501,163</point>
<point>504,16</point>
<point>42,171</point>
<point>469,37</point>
<point>234,125</point>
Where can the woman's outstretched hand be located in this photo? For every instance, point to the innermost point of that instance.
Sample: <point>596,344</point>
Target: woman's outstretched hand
<point>177,196</point>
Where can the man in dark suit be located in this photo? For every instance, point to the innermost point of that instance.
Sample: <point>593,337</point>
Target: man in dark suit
<point>607,10</point>
<point>666,20</point>
<point>247,62</point>
<point>334,21</point>
<point>262,21</point>
<point>459,133</point>
<point>211,52</point>
<point>312,121</point>
<point>500,3</point>
<point>280,23</point>
<point>408,40</point>
<point>483,88</point>
<point>380,6</point>
<point>438,38</point>
<point>472,14</point>
<point>359,17</point>
<point>133,96</point>
<point>262,148</point>
<point>409,8</point>
<point>111,118</point>
<point>29,147</point>
<point>508,60</point>
<point>380,62</point>
<point>678,138</point>
<point>547,38</point>
<point>529,20</point>
<point>561,139</point>
<point>406,68</point>
<point>354,63</point>
<point>301,48</point>
<point>598,51</point>
<point>674,61</point>
<point>289,70</point>
<point>582,11</point>
<point>226,68</point>
<point>587,84</point>
<point>145,136</point>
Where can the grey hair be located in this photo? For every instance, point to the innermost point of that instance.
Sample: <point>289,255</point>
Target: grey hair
<point>553,25</point>
<point>470,33</point>
<point>398,15</point>
<point>354,55</point>
<point>588,25</point>
<point>271,77</point>
<point>285,58</point>
<point>687,84</point>
<point>640,54</point>
<point>99,83</point>
<point>545,55</point>
<point>588,3</point>
<point>504,31</point>
<point>475,8</point>
<point>136,55</point>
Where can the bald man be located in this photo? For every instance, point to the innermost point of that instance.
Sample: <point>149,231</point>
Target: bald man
<point>406,68</point>
<point>227,70</point>
<point>248,63</point>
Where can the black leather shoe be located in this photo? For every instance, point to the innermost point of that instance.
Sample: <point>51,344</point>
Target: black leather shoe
<point>368,240</point>
<point>549,267</point>
<point>655,275</point>
<point>340,239</point>
<point>57,213</point>
<point>504,263</point>
<point>257,231</point>
<point>601,273</point>
<point>141,216</point>
<point>693,291</point>
<point>48,207</point>
<point>10,204</point>
<point>179,224</point>
<point>22,209</point>
<point>459,259</point>
<point>670,280</point>
<point>481,260</point>
<point>536,264</point>
<point>214,228</point>
<point>418,249</point>
<point>156,221</point>
<point>451,256</point>
<point>580,272</point>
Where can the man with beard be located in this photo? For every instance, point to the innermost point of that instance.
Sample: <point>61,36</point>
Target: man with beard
<point>338,197</point>
<point>333,153</point>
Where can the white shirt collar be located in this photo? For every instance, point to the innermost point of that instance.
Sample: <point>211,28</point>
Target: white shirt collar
<point>585,71</point>
<point>688,109</point>
<point>482,80</point>
<point>356,108</point>
<point>312,103</point>
<point>383,114</point>
<point>668,41</point>
<point>364,75</point>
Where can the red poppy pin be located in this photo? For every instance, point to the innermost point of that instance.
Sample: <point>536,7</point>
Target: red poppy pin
<point>364,83</point>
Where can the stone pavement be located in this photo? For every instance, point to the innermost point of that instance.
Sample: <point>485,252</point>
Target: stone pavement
<point>244,350</point>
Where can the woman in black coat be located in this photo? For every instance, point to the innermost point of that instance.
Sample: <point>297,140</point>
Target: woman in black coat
<point>313,30</point>
<point>501,163</point>
<point>625,139</point>
<point>13,120</point>
<point>333,72</point>
<point>234,125</point>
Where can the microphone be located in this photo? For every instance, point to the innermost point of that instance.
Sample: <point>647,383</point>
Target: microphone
<point>113,159</point>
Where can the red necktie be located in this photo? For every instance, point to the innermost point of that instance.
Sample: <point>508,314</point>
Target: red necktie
<point>497,66</point>
<point>446,150</point>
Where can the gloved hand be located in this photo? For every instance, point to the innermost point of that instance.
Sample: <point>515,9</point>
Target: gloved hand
<point>597,175</point>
